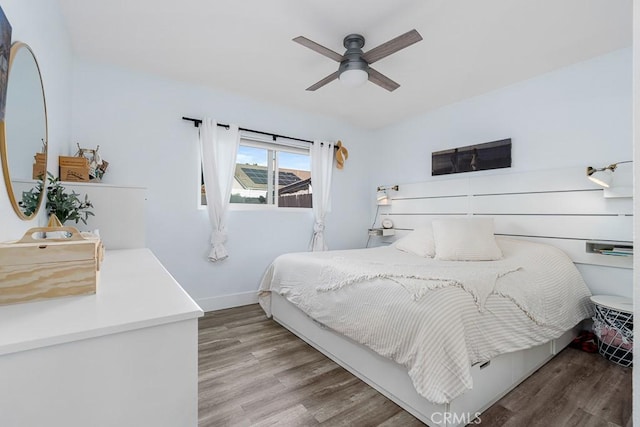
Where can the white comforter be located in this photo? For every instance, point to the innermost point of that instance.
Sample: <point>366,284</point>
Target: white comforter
<point>436,318</point>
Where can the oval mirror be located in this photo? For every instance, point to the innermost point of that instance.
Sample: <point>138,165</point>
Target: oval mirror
<point>23,133</point>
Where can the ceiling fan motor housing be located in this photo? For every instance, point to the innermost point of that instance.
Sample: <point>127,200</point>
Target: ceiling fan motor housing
<point>353,56</point>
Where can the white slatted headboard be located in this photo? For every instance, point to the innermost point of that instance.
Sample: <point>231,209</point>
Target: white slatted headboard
<point>560,207</point>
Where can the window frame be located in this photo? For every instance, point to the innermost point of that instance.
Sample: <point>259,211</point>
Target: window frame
<point>272,146</point>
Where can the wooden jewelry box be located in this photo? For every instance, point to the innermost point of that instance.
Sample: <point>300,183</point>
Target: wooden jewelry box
<point>36,268</point>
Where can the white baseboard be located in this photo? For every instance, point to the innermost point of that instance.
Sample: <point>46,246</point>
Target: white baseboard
<point>228,301</point>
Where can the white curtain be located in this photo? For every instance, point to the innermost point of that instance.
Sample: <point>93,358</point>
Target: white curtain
<point>219,147</point>
<point>321,169</point>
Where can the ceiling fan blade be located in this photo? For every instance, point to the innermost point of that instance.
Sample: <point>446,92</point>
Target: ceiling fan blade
<point>392,46</point>
<point>318,48</point>
<point>382,80</point>
<point>331,77</point>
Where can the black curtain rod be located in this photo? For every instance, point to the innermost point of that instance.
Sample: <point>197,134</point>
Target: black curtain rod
<point>198,122</point>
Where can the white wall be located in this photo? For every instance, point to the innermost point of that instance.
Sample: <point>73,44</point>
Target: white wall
<point>136,120</point>
<point>577,116</point>
<point>40,24</point>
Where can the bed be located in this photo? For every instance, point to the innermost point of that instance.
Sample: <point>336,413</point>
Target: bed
<point>443,337</point>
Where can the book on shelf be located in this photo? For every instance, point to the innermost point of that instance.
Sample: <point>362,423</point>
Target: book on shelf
<point>616,252</point>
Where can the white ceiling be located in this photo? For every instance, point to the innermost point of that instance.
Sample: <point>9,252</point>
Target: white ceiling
<point>244,46</point>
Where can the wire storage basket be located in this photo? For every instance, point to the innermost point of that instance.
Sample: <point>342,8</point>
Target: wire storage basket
<point>614,329</point>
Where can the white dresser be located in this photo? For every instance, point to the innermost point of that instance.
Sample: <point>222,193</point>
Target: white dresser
<point>127,356</point>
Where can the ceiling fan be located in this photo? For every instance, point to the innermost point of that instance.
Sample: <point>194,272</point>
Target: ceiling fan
<point>354,66</point>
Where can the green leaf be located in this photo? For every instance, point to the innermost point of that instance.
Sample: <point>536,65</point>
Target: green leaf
<point>66,206</point>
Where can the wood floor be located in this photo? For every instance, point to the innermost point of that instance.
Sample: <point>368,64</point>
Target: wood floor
<point>253,372</point>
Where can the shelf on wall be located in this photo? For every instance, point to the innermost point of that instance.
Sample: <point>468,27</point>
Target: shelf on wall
<point>612,248</point>
<point>381,232</point>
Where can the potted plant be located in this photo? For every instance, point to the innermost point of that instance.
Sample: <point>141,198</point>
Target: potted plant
<point>66,206</point>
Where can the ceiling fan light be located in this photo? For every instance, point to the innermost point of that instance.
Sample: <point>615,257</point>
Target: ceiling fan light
<point>354,78</point>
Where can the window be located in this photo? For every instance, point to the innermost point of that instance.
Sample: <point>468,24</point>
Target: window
<point>271,174</point>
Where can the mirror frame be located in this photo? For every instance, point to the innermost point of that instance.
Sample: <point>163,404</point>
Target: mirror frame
<point>15,47</point>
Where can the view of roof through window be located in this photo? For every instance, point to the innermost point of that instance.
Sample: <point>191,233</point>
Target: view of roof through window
<point>253,181</point>
<point>258,176</point>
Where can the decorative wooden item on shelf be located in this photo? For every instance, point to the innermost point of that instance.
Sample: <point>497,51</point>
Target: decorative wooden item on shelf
<point>342,154</point>
<point>97,166</point>
<point>40,166</point>
<point>86,165</point>
<point>74,169</point>
<point>36,268</point>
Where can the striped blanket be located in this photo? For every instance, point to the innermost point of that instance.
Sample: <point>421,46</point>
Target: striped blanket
<point>531,296</point>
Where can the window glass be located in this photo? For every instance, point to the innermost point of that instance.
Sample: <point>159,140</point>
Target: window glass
<point>294,183</point>
<point>254,169</point>
<point>270,174</point>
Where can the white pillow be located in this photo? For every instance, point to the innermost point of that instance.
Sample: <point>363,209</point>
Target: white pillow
<point>469,239</point>
<point>419,242</point>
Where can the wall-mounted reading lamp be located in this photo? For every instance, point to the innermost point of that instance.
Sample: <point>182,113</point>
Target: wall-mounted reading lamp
<point>382,194</point>
<point>603,176</point>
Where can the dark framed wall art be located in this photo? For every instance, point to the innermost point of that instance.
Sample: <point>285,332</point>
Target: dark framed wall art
<point>489,155</point>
